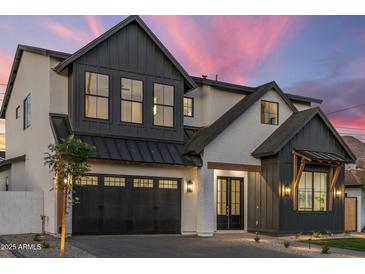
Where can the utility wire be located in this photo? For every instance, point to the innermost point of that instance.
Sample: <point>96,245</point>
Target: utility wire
<point>344,109</point>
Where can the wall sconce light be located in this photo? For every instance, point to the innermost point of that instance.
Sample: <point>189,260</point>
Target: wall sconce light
<point>338,193</point>
<point>287,191</point>
<point>189,186</point>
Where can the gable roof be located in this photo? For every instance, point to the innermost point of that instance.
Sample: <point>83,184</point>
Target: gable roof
<point>280,137</point>
<point>248,90</point>
<point>134,18</point>
<point>352,179</point>
<point>204,136</point>
<point>14,69</point>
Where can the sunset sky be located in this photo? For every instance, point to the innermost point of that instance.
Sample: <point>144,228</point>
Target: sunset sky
<point>319,56</point>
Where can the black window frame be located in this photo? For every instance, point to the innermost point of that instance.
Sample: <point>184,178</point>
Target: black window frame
<point>313,198</point>
<point>262,113</point>
<point>27,115</point>
<point>192,106</point>
<point>141,102</point>
<point>17,110</point>
<point>97,96</point>
<point>163,105</point>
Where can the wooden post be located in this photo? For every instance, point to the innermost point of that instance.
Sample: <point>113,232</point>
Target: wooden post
<point>332,186</point>
<point>63,229</point>
<point>297,177</point>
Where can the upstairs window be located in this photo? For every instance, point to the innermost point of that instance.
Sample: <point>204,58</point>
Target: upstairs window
<point>163,105</point>
<point>269,113</point>
<point>312,192</point>
<point>131,100</point>
<point>27,108</point>
<point>188,107</point>
<point>96,96</point>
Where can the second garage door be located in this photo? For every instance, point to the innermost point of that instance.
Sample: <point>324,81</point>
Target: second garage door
<point>127,204</point>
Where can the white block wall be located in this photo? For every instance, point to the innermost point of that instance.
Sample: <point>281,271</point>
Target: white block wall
<point>20,212</point>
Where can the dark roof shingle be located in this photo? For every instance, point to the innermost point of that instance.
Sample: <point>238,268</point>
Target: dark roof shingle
<point>204,136</point>
<point>281,136</point>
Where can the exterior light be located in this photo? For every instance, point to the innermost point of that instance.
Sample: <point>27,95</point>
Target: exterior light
<point>287,191</point>
<point>189,186</point>
<point>338,193</point>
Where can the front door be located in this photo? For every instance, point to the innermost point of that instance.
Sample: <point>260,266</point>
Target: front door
<point>229,203</point>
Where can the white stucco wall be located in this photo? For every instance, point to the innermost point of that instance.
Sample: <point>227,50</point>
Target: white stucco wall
<point>188,200</point>
<point>209,104</point>
<point>360,195</point>
<point>301,107</point>
<point>20,212</point>
<point>236,143</point>
<point>48,94</point>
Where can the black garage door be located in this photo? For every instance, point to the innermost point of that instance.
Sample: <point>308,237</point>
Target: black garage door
<point>126,204</point>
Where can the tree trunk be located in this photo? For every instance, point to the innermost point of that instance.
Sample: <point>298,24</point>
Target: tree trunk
<point>63,228</point>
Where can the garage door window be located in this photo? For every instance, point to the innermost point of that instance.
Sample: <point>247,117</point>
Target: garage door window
<point>88,181</point>
<point>143,183</point>
<point>114,181</point>
<point>168,184</point>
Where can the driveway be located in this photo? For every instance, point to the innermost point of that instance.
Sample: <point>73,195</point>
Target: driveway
<point>173,246</point>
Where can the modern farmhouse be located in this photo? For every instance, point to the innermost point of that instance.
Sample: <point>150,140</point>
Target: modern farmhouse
<point>174,153</point>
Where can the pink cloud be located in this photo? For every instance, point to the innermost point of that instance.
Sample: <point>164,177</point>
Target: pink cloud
<point>6,61</point>
<point>95,25</point>
<point>69,33</point>
<point>231,46</point>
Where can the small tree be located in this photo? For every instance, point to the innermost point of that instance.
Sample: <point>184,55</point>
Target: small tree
<point>68,161</point>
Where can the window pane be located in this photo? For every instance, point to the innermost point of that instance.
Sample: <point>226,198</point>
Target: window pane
<point>91,83</point>
<point>158,115</point>
<point>158,94</point>
<point>168,116</point>
<point>114,181</point>
<point>136,112</point>
<point>188,107</point>
<point>126,111</point>
<point>269,113</point>
<point>102,108</point>
<point>168,95</point>
<point>305,192</point>
<point>137,91</point>
<point>126,89</point>
<point>103,85</point>
<point>90,106</point>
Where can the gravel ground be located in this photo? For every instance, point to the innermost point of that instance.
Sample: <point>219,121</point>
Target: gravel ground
<point>23,245</point>
<point>299,248</point>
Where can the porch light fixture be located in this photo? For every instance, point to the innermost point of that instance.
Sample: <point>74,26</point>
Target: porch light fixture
<point>287,191</point>
<point>189,186</point>
<point>338,193</point>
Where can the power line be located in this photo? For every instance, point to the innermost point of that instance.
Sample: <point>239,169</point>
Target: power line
<point>344,109</point>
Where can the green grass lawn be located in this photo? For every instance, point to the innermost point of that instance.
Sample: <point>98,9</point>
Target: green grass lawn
<point>357,244</point>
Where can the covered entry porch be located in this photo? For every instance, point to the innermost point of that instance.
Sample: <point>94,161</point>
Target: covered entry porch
<point>223,196</point>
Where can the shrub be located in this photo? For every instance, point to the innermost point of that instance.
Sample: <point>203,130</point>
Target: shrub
<point>325,249</point>
<point>297,236</point>
<point>329,233</point>
<point>37,238</point>
<point>347,232</point>
<point>45,244</point>
<point>286,244</point>
<point>316,234</point>
<point>257,237</point>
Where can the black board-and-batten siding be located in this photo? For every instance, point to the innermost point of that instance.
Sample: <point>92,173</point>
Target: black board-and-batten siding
<point>270,211</point>
<point>130,53</point>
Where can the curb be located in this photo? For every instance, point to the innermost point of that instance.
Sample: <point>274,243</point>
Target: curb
<point>16,253</point>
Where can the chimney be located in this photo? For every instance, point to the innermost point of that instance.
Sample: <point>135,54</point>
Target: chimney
<point>216,77</point>
<point>204,76</point>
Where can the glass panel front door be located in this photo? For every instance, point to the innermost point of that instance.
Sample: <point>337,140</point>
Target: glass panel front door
<point>229,203</point>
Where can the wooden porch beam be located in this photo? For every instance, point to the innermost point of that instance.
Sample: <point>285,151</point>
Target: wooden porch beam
<point>333,180</point>
<point>297,174</point>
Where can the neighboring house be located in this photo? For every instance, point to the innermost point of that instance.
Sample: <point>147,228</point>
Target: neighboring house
<point>354,189</point>
<point>174,153</point>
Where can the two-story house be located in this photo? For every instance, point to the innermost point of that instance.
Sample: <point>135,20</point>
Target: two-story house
<point>174,153</point>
